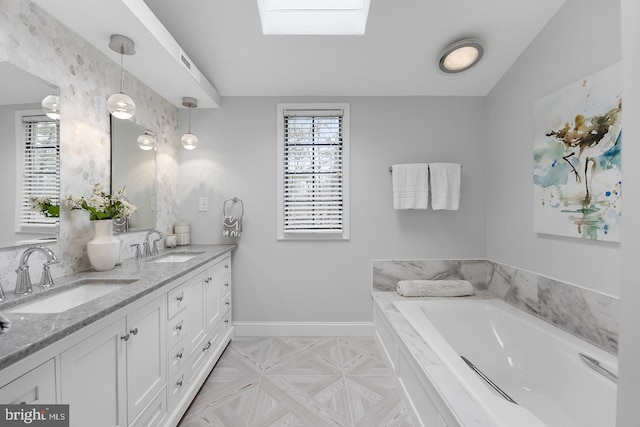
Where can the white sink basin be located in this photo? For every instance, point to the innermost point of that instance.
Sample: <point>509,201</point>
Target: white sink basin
<point>68,299</point>
<point>177,257</point>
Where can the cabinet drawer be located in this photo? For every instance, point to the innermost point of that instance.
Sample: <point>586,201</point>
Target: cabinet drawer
<point>36,387</point>
<point>176,330</point>
<point>201,354</point>
<point>176,387</point>
<point>226,323</point>
<point>226,304</point>
<point>225,266</point>
<point>176,301</point>
<point>177,358</point>
<point>154,413</point>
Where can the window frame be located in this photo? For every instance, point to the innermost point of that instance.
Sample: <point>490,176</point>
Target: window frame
<point>280,142</point>
<point>43,223</point>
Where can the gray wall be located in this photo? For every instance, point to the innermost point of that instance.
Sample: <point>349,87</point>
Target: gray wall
<point>331,281</point>
<point>563,53</point>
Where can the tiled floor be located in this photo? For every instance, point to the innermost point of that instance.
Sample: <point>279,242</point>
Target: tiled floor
<point>295,382</point>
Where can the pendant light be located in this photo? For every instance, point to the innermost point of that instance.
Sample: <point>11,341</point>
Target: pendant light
<point>51,106</point>
<point>120,105</point>
<point>189,140</point>
<point>147,141</point>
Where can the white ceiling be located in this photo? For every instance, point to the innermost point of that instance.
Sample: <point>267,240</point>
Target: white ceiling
<point>398,55</point>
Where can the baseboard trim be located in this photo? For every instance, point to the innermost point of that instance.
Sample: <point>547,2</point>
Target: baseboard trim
<point>302,329</point>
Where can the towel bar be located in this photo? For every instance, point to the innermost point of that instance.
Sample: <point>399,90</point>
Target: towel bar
<point>391,168</point>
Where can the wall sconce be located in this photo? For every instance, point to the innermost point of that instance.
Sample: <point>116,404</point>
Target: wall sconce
<point>120,105</point>
<point>147,141</point>
<point>51,106</point>
<point>461,56</point>
<point>189,140</point>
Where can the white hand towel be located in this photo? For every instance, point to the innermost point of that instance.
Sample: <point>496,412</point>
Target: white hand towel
<point>434,288</point>
<point>410,186</point>
<point>445,186</point>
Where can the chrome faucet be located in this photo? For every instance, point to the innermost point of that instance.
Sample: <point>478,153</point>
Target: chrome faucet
<point>148,249</point>
<point>23,282</point>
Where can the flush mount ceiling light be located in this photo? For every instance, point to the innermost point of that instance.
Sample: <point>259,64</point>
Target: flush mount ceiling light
<point>147,141</point>
<point>320,17</point>
<point>120,105</point>
<point>461,56</point>
<point>189,140</point>
<point>51,106</point>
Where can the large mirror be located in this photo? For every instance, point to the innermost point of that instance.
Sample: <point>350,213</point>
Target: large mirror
<point>134,168</point>
<point>29,158</point>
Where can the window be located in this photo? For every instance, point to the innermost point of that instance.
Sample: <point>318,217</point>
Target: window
<point>39,172</point>
<point>313,179</point>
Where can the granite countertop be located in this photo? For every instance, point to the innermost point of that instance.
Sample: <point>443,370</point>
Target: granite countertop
<point>35,331</point>
<point>468,411</point>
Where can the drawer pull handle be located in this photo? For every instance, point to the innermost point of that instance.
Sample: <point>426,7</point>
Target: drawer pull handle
<point>125,337</point>
<point>180,297</point>
<point>207,347</point>
<point>179,327</point>
<point>226,266</point>
<point>227,303</point>
<point>207,280</point>
<point>226,285</point>
<point>179,355</point>
<point>226,321</point>
<point>134,331</point>
<point>179,383</point>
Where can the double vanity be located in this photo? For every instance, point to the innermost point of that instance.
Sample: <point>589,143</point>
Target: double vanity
<point>126,347</point>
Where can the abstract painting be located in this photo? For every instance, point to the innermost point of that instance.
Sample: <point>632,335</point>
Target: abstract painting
<point>576,159</point>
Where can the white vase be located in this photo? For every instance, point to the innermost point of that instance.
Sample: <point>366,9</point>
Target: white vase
<point>103,249</point>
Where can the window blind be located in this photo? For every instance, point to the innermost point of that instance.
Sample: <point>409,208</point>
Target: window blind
<point>313,171</point>
<point>40,169</point>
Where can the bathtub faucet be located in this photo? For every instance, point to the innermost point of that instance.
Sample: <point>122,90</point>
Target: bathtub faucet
<point>23,282</point>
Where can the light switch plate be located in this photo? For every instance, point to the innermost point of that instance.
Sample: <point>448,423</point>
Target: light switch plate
<point>203,204</point>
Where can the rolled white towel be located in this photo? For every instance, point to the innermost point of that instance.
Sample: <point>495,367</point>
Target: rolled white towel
<point>434,288</point>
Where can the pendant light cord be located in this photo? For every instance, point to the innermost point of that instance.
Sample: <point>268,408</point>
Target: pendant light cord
<point>122,68</point>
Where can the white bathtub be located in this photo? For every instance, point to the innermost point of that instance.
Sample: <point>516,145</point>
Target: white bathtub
<point>535,363</point>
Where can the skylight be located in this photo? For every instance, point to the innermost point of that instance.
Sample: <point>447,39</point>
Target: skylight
<point>321,17</point>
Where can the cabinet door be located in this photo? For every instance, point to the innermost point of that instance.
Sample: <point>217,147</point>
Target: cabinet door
<point>36,387</point>
<point>212,296</point>
<point>194,316</point>
<point>93,378</point>
<point>146,355</point>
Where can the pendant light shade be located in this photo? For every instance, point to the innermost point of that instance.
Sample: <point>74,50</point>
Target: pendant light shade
<point>51,106</point>
<point>147,141</point>
<point>189,140</point>
<point>120,105</point>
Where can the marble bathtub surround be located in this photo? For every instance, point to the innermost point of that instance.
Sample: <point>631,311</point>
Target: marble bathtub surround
<point>588,315</point>
<point>409,341</point>
<point>299,381</point>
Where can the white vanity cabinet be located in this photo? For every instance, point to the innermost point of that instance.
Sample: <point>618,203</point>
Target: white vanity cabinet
<point>139,366</point>
<point>118,371</point>
<point>93,379</point>
<point>36,387</point>
<point>207,320</point>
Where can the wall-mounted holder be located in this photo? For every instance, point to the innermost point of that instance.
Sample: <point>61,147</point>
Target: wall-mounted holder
<point>232,224</point>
